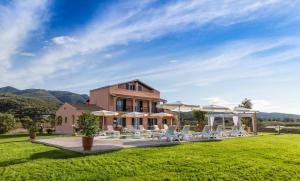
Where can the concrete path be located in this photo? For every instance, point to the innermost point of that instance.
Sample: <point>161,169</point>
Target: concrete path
<point>100,144</point>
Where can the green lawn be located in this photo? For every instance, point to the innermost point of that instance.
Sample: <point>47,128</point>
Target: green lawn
<point>275,157</point>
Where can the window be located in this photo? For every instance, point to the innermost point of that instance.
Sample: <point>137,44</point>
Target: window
<point>138,120</point>
<point>152,122</point>
<point>120,122</point>
<point>66,119</point>
<point>130,86</point>
<point>121,104</point>
<point>153,108</point>
<point>139,106</point>
<point>140,88</point>
<point>164,121</point>
<point>59,120</point>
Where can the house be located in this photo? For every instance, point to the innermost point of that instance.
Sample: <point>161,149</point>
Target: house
<point>67,116</point>
<point>125,97</point>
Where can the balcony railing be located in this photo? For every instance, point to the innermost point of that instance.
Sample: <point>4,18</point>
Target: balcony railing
<point>141,109</point>
<point>124,109</point>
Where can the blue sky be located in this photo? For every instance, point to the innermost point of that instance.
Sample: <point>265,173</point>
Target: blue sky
<point>201,51</point>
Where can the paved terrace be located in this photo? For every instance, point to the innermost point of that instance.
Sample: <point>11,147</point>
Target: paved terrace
<point>102,144</point>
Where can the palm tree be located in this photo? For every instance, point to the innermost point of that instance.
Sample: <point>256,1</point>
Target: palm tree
<point>246,103</point>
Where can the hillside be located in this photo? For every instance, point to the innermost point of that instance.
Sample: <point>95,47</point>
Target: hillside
<point>275,115</point>
<point>58,97</point>
<point>21,106</point>
<point>260,115</point>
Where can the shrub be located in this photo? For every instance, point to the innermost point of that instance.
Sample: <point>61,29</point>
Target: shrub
<point>7,122</point>
<point>33,126</point>
<point>88,125</point>
<point>25,121</point>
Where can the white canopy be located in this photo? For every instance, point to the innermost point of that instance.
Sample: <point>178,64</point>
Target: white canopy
<point>243,110</point>
<point>104,113</point>
<point>134,115</point>
<point>211,121</point>
<point>215,108</point>
<point>161,114</point>
<point>177,106</point>
<point>236,120</point>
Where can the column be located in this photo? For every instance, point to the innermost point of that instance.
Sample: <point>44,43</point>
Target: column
<point>150,106</point>
<point>254,124</point>
<point>159,122</point>
<point>114,108</point>
<point>223,122</point>
<point>133,104</point>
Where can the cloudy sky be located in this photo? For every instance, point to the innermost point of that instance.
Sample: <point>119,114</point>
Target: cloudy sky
<point>199,51</point>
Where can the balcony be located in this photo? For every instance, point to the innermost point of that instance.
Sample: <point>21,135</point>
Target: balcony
<point>141,109</point>
<point>124,109</point>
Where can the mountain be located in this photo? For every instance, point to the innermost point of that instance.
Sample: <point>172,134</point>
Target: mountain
<point>276,115</point>
<point>260,115</point>
<point>21,106</point>
<point>58,97</point>
<point>8,89</point>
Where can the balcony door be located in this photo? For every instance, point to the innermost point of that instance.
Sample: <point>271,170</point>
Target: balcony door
<point>151,123</point>
<point>121,104</point>
<point>139,106</point>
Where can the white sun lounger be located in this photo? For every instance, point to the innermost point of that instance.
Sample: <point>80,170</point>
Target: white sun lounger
<point>185,133</point>
<point>110,130</point>
<point>170,134</point>
<point>219,132</point>
<point>206,133</point>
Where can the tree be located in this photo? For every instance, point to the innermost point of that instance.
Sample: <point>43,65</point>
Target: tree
<point>200,117</point>
<point>7,122</point>
<point>246,103</point>
<point>25,121</point>
<point>33,126</point>
<point>88,125</point>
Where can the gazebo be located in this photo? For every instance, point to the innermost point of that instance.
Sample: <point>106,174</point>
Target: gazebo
<point>236,114</point>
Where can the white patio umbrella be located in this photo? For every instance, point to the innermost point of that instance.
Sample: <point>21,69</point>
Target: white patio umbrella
<point>135,115</point>
<point>178,106</point>
<point>162,115</point>
<point>104,113</point>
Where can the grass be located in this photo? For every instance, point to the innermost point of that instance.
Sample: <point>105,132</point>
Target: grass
<point>275,157</point>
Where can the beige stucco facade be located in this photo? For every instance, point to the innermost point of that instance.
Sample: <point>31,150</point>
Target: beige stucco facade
<point>69,116</point>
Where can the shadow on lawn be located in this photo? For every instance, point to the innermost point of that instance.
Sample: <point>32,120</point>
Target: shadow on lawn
<point>52,154</point>
<point>26,135</point>
<point>6,142</point>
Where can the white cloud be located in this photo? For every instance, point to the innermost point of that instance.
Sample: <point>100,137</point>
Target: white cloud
<point>108,55</point>
<point>26,54</point>
<point>220,102</point>
<point>17,20</point>
<point>173,61</point>
<point>141,23</point>
<point>62,40</point>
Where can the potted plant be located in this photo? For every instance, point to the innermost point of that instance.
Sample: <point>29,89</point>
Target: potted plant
<point>88,125</point>
<point>33,127</point>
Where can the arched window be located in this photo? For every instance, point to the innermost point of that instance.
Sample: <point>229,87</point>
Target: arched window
<point>59,120</point>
